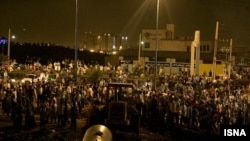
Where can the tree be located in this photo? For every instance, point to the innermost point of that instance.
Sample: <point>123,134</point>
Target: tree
<point>94,75</point>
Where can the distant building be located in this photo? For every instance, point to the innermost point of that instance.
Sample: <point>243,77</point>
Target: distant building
<point>105,42</point>
<point>3,40</point>
<point>173,52</point>
<point>3,43</point>
<point>170,44</point>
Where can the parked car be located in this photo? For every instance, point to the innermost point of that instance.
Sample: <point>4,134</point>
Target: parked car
<point>30,78</point>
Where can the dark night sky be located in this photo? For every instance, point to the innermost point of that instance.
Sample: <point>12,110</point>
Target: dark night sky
<point>54,20</point>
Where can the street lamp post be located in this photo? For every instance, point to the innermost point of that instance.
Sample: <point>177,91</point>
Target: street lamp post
<point>9,38</point>
<point>76,37</point>
<point>230,59</point>
<point>139,50</point>
<point>157,43</point>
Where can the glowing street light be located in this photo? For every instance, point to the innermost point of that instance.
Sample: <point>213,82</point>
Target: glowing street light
<point>13,37</point>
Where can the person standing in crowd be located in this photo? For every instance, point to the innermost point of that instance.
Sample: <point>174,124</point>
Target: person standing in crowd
<point>73,116</point>
<point>210,73</point>
<point>66,114</point>
<point>17,116</point>
<point>53,111</point>
<point>29,116</point>
<point>153,112</point>
<point>6,103</point>
<point>60,113</point>
<point>43,117</point>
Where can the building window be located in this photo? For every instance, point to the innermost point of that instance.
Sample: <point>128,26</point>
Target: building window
<point>204,48</point>
<point>207,47</point>
<point>146,45</point>
<point>188,48</point>
<point>161,59</point>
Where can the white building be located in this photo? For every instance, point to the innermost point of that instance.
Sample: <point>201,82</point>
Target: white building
<point>169,42</point>
<point>173,52</point>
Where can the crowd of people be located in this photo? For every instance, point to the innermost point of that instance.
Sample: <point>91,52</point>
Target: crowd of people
<point>191,102</point>
<point>198,104</point>
<point>59,100</point>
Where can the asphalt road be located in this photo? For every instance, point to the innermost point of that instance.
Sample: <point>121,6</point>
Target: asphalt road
<point>66,134</point>
<point>52,133</point>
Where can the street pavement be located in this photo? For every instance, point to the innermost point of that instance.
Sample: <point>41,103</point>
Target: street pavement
<point>52,133</point>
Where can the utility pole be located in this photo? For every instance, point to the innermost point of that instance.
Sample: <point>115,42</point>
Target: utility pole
<point>157,42</point>
<point>139,50</point>
<point>76,37</point>
<point>230,59</point>
<point>215,50</point>
<point>9,38</point>
<point>192,58</point>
